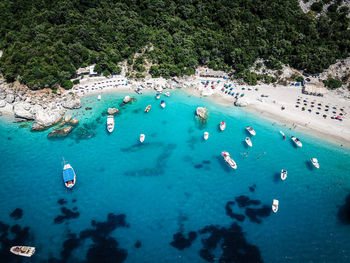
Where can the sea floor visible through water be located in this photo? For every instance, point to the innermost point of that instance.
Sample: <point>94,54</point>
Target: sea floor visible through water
<point>172,198</point>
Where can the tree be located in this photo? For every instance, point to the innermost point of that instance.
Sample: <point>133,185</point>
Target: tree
<point>317,7</point>
<point>332,83</point>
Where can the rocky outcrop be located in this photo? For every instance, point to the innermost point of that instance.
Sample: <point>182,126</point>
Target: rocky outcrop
<point>127,99</point>
<point>10,98</point>
<point>46,118</point>
<point>62,132</point>
<point>202,113</point>
<point>74,121</point>
<point>67,118</point>
<point>112,111</point>
<point>2,103</point>
<point>241,102</point>
<point>23,110</point>
<point>71,102</point>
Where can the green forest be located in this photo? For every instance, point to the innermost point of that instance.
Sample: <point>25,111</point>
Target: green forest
<point>46,41</point>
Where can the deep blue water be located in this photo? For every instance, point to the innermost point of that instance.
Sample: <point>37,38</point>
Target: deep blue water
<point>130,199</point>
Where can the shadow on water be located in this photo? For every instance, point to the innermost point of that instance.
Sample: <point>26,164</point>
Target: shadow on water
<point>309,165</point>
<point>277,177</point>
<point>223,164</point>
<point>142,146</point>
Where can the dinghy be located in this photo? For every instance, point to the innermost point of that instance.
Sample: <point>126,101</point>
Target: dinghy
<point>110,123</point>
<point>250,130</point>
<point>206,135</point>
<point>283,174</point>
<point>162,104</point>
<point>99,97</point>
<point>275,204</point>
<point>148,108</point>
<point>167,94</point>
<point>142,138</point>
<point>222,125</point>
<point>69,177</point>
<point>248,141</point>
<point>229,160</point>
<point>282,133</point>
<point>157,96</point>
<point>296,141</point>
<point>23,251</point>
<point>315,163</point>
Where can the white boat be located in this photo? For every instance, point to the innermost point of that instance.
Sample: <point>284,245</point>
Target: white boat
<point>167,94</point>
<point>162,104</point>
<point>157,96</point>
<point>296,141</point>
<point>222,125</point>
<point>148,108</point>
<point>282,133</point>
<point>99,97</point>
<point>206,135</point>
<point>248,141</point>
<point>314,161</point>
<point>283,174</point>
<point>24,251</point>
<point>275,204</point>
<point>250,130</point>
<point>110,123</point>
<point>69,177</point>
<point>229,160</point>
<point>142,137</point>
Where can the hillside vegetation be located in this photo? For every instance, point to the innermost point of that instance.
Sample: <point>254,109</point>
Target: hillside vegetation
<point>45,41</point>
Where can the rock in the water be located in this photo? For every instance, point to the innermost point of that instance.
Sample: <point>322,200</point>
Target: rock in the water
<point>23,110</point>
<point>241,102</point>
<point>10,98</point>
<point>202,113</point>
<point>67,118</point>
<point>127,99</point>
<point>71,102</point>
<point>112,111</point>
<point>74,121</point>
<point>2,103</point>
<point>45,119</point>
<point>62,132</point>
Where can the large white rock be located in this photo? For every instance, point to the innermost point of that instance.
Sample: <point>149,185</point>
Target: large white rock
<point>202,113</point>
<point>10,98</point>
<point>46,118</point>
<point>112,111</point>
<point>2,103</point>
<point>127,99</point>
<point>23,110</point>
<point>71,102</point>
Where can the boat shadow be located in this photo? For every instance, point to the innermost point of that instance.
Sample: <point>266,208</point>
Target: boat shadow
<point>309,165</point>
<point>245,145</point>
<point>223,164</point>
<point>277,177</point>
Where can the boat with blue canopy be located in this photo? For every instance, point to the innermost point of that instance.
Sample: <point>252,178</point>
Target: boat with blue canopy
<point>69,176</point>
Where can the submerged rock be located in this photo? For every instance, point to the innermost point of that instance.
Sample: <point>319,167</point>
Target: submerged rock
<point>202,113</point>
<point>127,99</point>
<point>112,111</point>
<point>74,121</point>
<point>67,118</point>
<point>62,132</point>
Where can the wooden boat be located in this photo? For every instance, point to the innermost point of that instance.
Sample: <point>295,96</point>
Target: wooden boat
<point>148,108</point>
<point>69,177</point>
<point>275,204</point>
<point>23,251</point>
<point>222,126</point>
<point>142,138</point>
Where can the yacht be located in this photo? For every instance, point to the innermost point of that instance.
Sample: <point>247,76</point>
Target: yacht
<point>69,176</point>
<point>148,108</point>
<point>206,135</point>
<point>275,204</point>
<point>157,96</point>
<point>110,123</point>
<point>283,174</point>
<point>99,97</point>
<point>250,130</point>
<point>162,104</point>
<point>248,141</point>
<point>229,160</point>
<point>222,125</point>
<point>315,163</point>
<point>23,251</point>
<point>296,141</point>
<point>142,137</point>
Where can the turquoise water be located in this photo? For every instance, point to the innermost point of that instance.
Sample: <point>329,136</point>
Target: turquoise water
<point>175,182</point>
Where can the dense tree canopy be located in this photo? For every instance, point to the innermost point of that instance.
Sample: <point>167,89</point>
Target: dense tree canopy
<point>45,41</point>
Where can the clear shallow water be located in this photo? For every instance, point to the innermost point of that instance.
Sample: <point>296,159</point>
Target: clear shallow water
<point>174,182</point>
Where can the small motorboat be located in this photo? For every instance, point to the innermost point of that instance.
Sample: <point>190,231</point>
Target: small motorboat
<point>142,137</point>
<point>315,163</point>
<point>69,177</point>
<point>248,141</point>
<point>283,174</point>
<point>282,133</point>
<point>222,125</point>
<point>275,204</point>
<point>229,160</point>
<point>206,135</point>
<point>24,251</point>
<point>250,130</point>
<point>148,108</point>
<point>138,91</point>
<point>296,141</point>
<point>157,96</point>
<point>162,104</point>
<point>99,97</point>
<point>110,123</point>
<point>167,94</point>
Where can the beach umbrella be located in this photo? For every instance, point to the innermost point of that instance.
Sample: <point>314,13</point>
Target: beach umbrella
<point>222,89</point>
<point>338,117</point>
<point>242,95</point>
